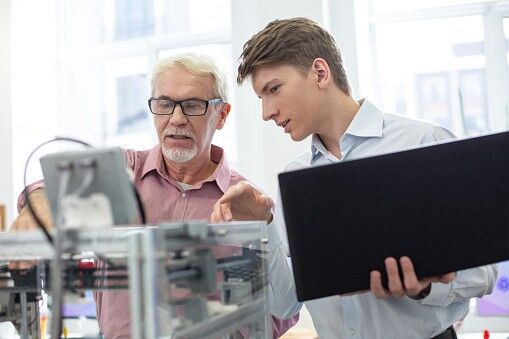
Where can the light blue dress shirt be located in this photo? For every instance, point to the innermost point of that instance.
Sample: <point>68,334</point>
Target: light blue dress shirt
<point>363,315</point>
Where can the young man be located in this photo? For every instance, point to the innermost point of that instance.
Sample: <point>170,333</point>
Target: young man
<point>297,72</point>
<point>182,176</point>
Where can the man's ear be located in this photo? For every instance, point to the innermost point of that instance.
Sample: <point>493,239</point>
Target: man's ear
<point>223,114</point>
<point>322,72</point>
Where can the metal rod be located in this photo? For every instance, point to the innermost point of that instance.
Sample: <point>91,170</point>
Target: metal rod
<point>35,327</point>
<point>135,286</point>
<point>150,281</point>
<point>24,315</point>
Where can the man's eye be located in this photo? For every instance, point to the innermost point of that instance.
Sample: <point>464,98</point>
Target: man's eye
<point>274,89</point>
<point>165,104</point>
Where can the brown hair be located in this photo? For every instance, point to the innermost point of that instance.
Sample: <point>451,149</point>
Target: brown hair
<point>296,42</point>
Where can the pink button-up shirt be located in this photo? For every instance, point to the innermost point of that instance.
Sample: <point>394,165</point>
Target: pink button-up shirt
<point>165,200</point>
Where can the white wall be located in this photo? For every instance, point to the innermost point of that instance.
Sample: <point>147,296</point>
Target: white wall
<point>5,108</point>
<point>34,97</point>
<point>341,22</point>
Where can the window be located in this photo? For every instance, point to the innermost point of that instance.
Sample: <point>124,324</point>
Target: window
<point>381,6</point>
<point>506,34</point>
<point>434,98</point>
<point>437,86</point>
<point>132,114</point>
<point>472,97</point>
<point>118,59</point>
<point>200,16</point>
<point>133,19</point>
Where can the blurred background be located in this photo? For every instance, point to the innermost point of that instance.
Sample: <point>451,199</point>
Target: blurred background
<point>81,68</point>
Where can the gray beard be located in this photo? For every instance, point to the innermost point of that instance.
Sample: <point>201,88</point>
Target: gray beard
<point>179,155</point>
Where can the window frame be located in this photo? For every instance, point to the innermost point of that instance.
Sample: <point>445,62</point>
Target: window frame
<point>497,73</point>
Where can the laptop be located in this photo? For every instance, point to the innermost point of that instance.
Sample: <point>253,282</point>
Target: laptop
<point>445,206</point>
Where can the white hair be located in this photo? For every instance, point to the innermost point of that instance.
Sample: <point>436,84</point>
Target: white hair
<point>197,64</point>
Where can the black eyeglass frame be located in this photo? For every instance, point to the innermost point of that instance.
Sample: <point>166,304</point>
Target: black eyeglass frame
<point>207,104</point>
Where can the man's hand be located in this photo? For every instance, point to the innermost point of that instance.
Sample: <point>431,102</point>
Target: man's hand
<point>25,222</point>
<point>410,286</point>
<point>242,202</point>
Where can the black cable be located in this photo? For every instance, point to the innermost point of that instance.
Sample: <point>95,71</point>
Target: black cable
<point>141,208</point>
<point>38,221</point>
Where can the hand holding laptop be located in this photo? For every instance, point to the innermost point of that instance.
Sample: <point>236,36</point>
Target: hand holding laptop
<point>241,202</point>
<point>408,286</point>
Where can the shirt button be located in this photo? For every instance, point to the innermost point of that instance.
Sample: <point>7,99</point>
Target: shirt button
<point>183,194</point>
<point>352,331</point>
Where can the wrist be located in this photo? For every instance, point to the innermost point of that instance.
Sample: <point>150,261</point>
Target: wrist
<point>423,293</point>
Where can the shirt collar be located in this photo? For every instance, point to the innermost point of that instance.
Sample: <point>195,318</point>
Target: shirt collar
<point>221,175</point>
<point>367,123</point>
<point>317,148</point>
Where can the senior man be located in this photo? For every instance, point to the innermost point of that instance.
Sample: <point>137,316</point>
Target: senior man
<point>181,177</point>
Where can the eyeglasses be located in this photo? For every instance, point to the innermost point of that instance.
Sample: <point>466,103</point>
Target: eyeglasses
<point>191,107</point>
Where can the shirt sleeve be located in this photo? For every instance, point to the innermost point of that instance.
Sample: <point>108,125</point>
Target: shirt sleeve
<point>438,134</point>
<point>280,327</point>
<point>474,282</point>
<point>282,297</point>
<point>32,187</point>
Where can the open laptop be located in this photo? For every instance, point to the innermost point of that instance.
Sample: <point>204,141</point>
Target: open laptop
<point>445,206</point>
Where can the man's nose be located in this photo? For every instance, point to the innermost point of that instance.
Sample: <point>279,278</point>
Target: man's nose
<point>267,112</point>
<point>178,117</point>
